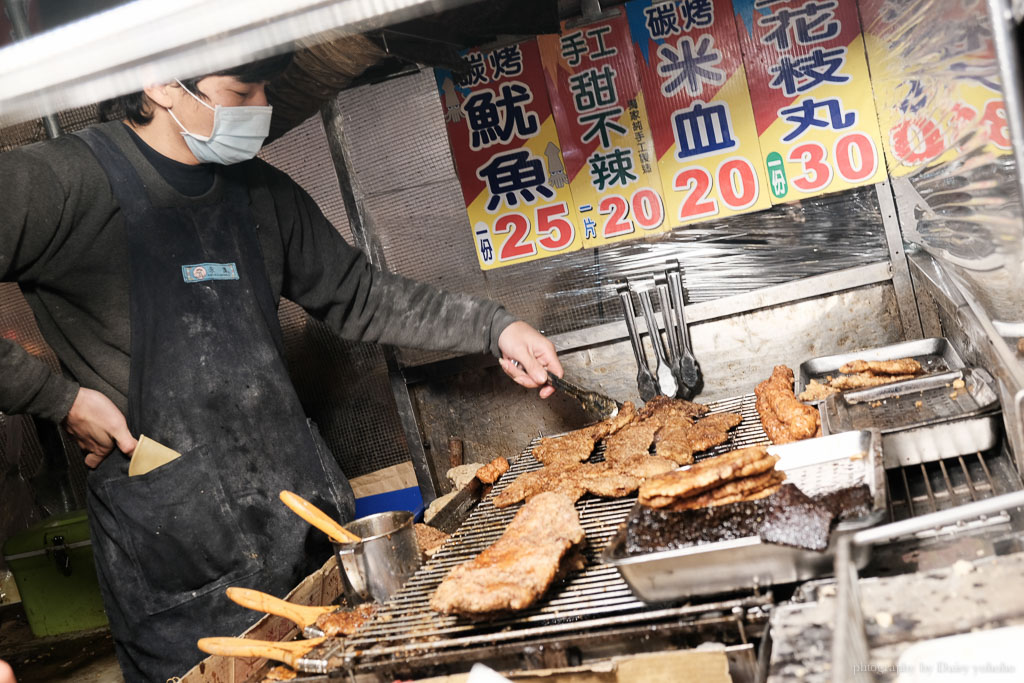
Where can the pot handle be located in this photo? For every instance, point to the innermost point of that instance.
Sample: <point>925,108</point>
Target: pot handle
<point>318,518</point>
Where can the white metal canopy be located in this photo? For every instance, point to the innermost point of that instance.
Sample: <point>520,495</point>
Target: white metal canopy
<point>150,41</point>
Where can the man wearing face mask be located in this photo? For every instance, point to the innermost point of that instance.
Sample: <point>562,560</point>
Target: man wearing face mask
<point>153,251</point>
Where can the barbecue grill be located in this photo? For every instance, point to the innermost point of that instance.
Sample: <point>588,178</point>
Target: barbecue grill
<point>592,611</point>
<point>931,261</point>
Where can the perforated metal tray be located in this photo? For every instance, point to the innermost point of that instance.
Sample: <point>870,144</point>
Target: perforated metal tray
<point>816,466</point>
<point>935,355</point>
<point>922,419</point>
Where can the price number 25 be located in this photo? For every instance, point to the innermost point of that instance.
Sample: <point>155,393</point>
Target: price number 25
<point>552,232</point>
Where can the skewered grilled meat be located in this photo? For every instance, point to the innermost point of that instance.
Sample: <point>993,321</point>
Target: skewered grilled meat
<point>664,409</point>
<point>576,446</point>
<point>861,374</point>
<point>519,567</point>
<point>636,439</point>
<point>569,448</point>
<point>572,481</point>
<point>645,466</point>
<point>863,380</point>
<point>817,391</point>
<point>745,488</point>
<point>627,460</point>
<point>627,415</point>
<point>551,478</point>
<point>783,417</point>
<point>492,471</point>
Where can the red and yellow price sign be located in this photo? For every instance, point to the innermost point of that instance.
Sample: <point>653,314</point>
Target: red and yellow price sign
<point>508,158</point>
<point>602,122</point>
<point>923,118</point>
<point>812,98</point>
<point>699,107</point>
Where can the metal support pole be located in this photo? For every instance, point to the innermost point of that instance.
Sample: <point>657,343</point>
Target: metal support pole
<point>906,301</point>
<point>1003,26</point>
<point>19,22</point>
<point>365,239</point>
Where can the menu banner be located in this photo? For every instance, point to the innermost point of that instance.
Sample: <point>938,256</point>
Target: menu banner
<point>815,115</point>
<point>601,120</point>
<point>701,119</point>
<point>927,119</point>
<point>508,157</point>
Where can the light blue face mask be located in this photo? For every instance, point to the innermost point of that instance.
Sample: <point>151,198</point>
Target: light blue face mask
<point>237,135</point>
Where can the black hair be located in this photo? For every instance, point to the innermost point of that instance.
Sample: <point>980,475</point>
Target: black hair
<point>136,106</point>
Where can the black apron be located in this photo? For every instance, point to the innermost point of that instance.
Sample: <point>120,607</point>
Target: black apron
<point>208,379</point>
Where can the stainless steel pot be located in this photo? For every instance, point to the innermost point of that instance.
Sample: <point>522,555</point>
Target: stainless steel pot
<point>377,566</point>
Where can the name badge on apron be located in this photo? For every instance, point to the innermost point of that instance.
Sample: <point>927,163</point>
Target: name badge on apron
<point>201,272</point>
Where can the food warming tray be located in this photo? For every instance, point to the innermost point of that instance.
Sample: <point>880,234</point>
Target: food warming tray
<point>922,419</point>
<point>934,355</point>
<point>816,466</point>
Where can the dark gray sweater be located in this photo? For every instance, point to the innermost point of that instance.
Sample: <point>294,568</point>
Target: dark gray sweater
<point>62,241</point>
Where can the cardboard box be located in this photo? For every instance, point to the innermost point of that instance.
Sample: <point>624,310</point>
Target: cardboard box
<point>53,568</point>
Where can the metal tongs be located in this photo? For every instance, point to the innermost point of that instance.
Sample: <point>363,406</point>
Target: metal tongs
<point>645,382</point>
<point>676,371</point>
<point>667,383</point>
<point>684,364</point>
<point>595,405</point>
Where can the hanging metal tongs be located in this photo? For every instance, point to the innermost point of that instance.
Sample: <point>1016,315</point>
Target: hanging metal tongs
<point>666,382</point>
<point>691,380</point>
<point>645,382</point>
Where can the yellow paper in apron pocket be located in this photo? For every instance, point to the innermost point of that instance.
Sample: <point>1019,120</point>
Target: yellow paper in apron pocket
<point>148,455</point>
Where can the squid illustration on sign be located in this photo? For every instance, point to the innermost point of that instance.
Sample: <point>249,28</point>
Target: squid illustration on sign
<point>452,105</point>
<point>556,168</point>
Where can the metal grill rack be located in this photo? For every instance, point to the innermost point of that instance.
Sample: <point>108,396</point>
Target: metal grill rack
<point>918,489</point>
<point>591,601</point>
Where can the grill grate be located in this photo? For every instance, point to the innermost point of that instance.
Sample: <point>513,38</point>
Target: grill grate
<point>932,486</point>
<point>594,597</point>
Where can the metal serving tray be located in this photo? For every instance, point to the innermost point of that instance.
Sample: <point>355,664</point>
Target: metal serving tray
<point>922,419</point>
<point>816,466</point>
<point>934,355</point>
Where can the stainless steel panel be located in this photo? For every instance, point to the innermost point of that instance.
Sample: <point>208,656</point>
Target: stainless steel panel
<point>815,466</point>
<point>965,322</point>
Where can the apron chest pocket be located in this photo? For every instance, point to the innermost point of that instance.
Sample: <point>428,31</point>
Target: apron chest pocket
<point>181,532</point>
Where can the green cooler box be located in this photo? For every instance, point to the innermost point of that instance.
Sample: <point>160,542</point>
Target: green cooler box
<point>53,568</point>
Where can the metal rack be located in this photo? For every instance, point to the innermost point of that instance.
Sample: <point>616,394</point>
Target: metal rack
<point>929,487</point>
